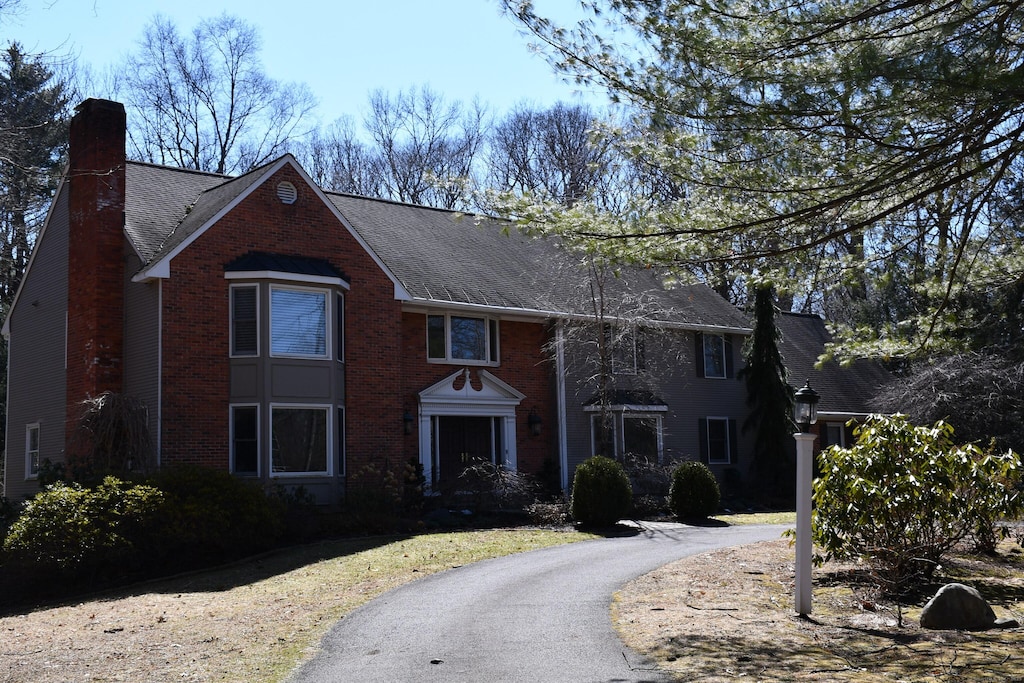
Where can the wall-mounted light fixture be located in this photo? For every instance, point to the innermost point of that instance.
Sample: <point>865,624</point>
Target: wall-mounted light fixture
<point>407,422</point>
<point>534,422</point>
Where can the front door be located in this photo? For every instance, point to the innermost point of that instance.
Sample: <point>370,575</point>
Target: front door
<point>463,441</point>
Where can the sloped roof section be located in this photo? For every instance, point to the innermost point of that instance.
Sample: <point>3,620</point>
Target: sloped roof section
<point>442,256</point>
<point>439,257</point>
<point>157,200</point>
<point>843,389</point>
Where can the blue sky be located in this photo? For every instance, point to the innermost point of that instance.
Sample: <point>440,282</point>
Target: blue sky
<point>342,49</point>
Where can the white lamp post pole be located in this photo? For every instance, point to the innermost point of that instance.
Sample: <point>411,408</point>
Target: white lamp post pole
<point>805,413</point>
<point>804,460</point>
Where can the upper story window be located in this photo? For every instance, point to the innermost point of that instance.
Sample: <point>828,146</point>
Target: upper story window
<point>301,297</point>
<point>626,349</point>
<point>714,356</point>
<point>299,322</point>
<point>455,338</point>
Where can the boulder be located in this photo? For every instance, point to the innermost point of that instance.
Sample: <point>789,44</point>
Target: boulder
<point>959,607</point>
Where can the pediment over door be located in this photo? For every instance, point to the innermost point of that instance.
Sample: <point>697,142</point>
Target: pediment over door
<point>468,394</point>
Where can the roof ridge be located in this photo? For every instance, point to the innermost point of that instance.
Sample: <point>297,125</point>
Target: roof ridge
<point>411,205</point>
<point>178,169</point>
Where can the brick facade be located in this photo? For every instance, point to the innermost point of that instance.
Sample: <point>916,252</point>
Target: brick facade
<point>196,324</point>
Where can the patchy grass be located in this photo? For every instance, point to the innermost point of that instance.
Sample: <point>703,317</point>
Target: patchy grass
<point>252,621</point>
<point>758,518</point>
<point>729,615</point>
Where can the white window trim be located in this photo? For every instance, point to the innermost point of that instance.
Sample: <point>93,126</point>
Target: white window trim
<point>328,322</point>
<point>231,437</point>
<point>29,428</point>
<point>636,413</point>
<point>329,410</point>
<point>342,422</point>
<point>340,326</point>
<point>707,439</point>
<point>448,359</point>
<point>704,355</point>
<point>231,303</point>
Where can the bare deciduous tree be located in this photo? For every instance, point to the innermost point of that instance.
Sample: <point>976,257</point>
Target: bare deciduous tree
<point>203,101</point>
<point>428,147</point>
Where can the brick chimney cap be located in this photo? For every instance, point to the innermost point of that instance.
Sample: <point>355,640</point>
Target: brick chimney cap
<point>94,104</point>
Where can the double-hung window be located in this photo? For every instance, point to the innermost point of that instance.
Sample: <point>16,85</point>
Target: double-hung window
<point>299,322</point>
<point>300,439</point>
<point>714,356</point>
<point>626,350</point>
<point>718,440</point>
<point>32,451</point>
<point>453,338</point>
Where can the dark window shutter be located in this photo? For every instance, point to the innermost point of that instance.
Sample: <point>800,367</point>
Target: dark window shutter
<point>244,321</point>
<point>733,443</point>
<point>698,354</point>
<point>730,369</point>
<point>702,437</point>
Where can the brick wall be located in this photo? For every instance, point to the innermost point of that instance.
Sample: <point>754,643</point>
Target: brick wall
<point>196,325</point>
<point>524,366</point>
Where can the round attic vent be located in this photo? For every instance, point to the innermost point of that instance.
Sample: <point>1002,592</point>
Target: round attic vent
<point>287,193</point>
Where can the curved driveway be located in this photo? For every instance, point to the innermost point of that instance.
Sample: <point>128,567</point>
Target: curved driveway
<point>537,617</point>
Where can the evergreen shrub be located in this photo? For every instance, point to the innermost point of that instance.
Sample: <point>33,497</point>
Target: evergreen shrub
<point>694,493</point>
<point>601,492</point>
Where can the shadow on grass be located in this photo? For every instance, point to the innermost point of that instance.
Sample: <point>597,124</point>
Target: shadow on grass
<point>27,593</point>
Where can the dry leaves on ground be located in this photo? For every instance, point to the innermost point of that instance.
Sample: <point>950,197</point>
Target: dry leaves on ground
<point>728,615</point>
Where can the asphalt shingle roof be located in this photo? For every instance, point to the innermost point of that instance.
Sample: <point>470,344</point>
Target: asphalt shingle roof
<point>842,390</point>
<point>437,256</point>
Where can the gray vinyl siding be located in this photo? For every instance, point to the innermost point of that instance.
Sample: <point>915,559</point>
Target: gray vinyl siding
<point>37,390</point>
<point>142,343</point>
<point>671,374</point>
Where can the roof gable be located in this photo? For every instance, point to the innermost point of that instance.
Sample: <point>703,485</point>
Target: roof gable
<point>218,199</point>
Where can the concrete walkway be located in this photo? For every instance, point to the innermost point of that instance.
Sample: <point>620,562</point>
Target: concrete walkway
<point>536,617</point>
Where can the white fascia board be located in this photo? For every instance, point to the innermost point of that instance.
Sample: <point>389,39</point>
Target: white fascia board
<point>287,277</point>
<point>503,312</point>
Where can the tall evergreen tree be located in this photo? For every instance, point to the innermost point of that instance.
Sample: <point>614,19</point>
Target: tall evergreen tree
<point>34,116</point>
<point>770,400</point>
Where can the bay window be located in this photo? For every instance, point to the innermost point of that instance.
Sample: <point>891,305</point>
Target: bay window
<point>298,322</point>
<point>300,440</point>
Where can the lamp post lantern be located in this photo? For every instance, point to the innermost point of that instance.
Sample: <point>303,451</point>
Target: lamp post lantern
<point>805,413</point>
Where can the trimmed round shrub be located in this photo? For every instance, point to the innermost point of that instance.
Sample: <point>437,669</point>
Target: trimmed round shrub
<point>601,492</point>
<point>694,493</point>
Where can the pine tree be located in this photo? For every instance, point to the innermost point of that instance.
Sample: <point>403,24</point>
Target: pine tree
<point>770,400</point>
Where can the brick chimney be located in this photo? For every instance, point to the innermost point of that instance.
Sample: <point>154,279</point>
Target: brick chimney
<point>95,324</point>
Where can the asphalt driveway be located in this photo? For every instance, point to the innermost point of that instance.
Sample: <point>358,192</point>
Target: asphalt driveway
<point>536,617</point>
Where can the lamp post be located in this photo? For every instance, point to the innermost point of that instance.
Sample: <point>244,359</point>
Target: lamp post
<point>805,413</point>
